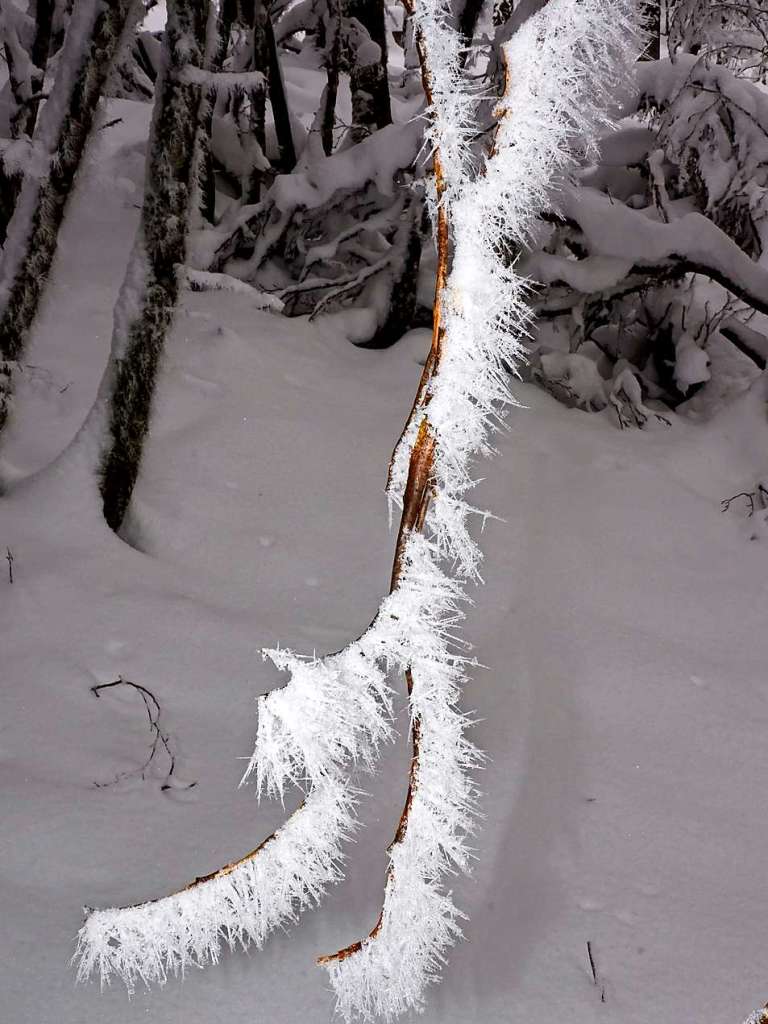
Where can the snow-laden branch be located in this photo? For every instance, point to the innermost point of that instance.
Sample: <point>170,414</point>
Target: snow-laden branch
<point>225,81</point>
<point>623,242</point>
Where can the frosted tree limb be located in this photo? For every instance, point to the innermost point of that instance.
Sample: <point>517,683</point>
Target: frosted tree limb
<point>235,907</point>
<point>561,67</point>
<point>334,712</point>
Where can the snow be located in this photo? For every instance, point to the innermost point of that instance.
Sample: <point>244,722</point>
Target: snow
<point>632,236</point>
<point>622,623</point>
<point>376,159</point>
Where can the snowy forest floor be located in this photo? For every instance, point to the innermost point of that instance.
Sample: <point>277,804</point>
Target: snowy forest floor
<point>623,704</point>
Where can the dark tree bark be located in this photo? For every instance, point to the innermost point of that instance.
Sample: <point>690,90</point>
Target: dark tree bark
<point>248,20</point>
<point>92,42</point>
<point>213,62</point>
<point>277,98</point>
<point>371,107</point>
<point>41,44</point>
<point>502,11</point>
<point>332,23</point>
<point>467,23</point>
<point>148,301</point>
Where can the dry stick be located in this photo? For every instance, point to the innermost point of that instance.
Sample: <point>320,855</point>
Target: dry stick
<point>592,961</point>
<point>160,737</point>
<point>593,967</point>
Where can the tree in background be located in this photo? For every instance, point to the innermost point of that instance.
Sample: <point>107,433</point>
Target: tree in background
<point>147,303</point>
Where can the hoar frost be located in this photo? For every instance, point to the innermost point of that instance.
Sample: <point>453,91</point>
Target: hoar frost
<point>334,712</point>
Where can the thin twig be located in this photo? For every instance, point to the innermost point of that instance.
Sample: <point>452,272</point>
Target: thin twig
<point>160,739</point>
<point>592,964</point>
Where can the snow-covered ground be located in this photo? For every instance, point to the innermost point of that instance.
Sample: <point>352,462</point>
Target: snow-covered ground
<point>622,706</point>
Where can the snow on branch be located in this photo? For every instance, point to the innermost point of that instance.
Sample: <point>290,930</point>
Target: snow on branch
<point>714,127</point>
<point>622,242</point>
<point>224,81</point>
<point>561,69</point>
<point>236,907</point>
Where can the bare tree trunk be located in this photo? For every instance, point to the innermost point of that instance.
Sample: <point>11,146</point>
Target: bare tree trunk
<point>148,299</point>
<point>214,62</point>
<point>248,19</point>
<point>41,44</point>
<point>277,98</point>
<point>332,69</point>
<point>93,38</point>
<point>652,14</point>
<point>371,107</point>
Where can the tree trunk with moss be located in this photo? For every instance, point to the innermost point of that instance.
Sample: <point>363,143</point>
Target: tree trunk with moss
<point>93,38</point>
<point>149,294</point>
<point>368,79</point>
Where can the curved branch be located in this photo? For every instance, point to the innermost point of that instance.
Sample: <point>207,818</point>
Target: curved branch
<point>642,247</point>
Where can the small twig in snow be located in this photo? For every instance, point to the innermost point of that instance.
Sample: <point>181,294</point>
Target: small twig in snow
<point>759,496</point>
<point>159,738</point>
<point>110,124</point>
<point>593,968</point>
<point>9,560</point>
<point>592,961</point>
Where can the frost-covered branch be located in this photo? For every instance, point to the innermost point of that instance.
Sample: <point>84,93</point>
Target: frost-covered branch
<point>235,907</point>
<point>334,712</point>
<point>550,99</point>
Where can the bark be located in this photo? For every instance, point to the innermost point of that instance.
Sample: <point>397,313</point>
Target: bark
<point>332,68</point>
<point>41,44</point>
<point>248,20</point>
<point>148,300</point>
<point>213,62</point>
<point>502,11</point>
<point>280,112</point>
<point>64,129</point>
<point>369,83</point>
